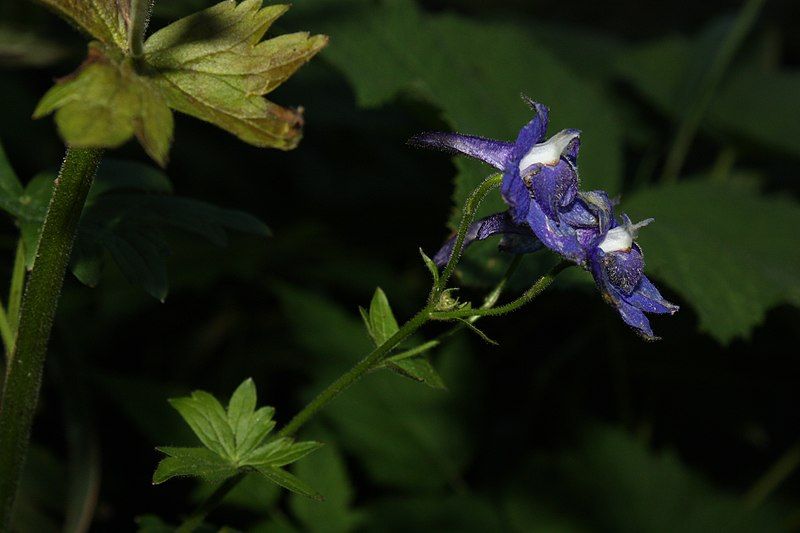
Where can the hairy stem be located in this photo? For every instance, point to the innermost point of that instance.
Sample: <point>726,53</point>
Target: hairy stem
<point>469,211</point>
<point>354,374</point>
<point>694,114</point>
<point>24,371</point>
<point>535,290</point>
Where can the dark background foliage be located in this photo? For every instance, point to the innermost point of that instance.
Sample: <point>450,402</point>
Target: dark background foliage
<point>572,423</point>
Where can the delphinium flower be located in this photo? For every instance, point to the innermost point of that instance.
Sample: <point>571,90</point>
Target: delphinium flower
<point>540,185</point>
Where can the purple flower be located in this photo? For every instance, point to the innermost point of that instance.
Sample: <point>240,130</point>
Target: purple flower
<point>540,186</point>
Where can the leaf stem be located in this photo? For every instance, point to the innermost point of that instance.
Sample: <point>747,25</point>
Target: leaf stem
<point>140,17</point>
<point>694,115</point>
<point>535,290</point>
<point>771,480</point>
<point>194,520</point>
<point>37,311</point>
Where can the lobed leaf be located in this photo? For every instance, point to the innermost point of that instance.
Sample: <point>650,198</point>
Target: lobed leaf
<point>208,420</point>
<point>241,407</point>
<point>289,482</point>
<point>213,65</point>
<point>106,102</point>
<point>194,462</point>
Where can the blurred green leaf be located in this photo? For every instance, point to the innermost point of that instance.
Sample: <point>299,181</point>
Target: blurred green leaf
<point>729,251</point>
<point>127,212</point>
<point>105,103</point>
<point>24,48</point>
<point>335,514</point>
<point>753,103</point>
<point>233,442</point>
<point>380,320</point>
<point>213,65</point>
<point>625,486</point>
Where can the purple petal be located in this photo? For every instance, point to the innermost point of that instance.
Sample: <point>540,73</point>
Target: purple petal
<point>494,153</point>
<point>647,298</point>
<point>623,269</point>
<point>636,319</point>
<point>553,187</point>
<point>570,153</point>
<point>518,238</point>
<point>534,131</point>
<point>559,237</point>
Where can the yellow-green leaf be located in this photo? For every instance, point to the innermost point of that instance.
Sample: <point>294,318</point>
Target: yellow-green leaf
<point>105,20</point>
<point>106,102</point>
<point>214,66</point>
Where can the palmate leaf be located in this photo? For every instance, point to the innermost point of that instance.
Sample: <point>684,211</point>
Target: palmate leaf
<point>729,251</point>
<point>232,440</point>
<point>128,211</point>
<point>212,65</point>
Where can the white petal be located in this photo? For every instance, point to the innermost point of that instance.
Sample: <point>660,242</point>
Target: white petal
<point>617,239</point>
<point>549,152</point>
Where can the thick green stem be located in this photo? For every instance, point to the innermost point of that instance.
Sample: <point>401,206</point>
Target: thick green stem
<point>24,372</point>
<point>535,290</point>
<point>693,116</point>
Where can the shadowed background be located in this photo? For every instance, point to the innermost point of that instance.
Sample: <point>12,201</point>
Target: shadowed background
<point>572,423</point>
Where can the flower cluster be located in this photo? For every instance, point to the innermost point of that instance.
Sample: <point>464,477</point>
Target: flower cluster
<point>545,206</point>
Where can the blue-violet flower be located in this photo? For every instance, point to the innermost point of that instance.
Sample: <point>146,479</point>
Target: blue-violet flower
<point>540,186</point>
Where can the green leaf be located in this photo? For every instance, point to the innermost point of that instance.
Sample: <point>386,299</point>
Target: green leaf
<point>289,482</point>
<point>214,66</point>
<point>10,187</point>
<point>105,20</point>
<point>207,418</point>
<point>727,250</point>
<point>432,268</point>
<point>130,225</point>
<point>194,462</point>
<point>105,103</point>
<point>381,323</point>
<point>625,486</point>
<point>21,48</point>
<point>422,54</point>
<point>230,438</point>
<point>241,408</point>
<point>418,369</point>
<point>282,452</point>
<point>336,513</point>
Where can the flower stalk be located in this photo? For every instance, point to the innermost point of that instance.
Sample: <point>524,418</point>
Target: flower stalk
<point>37,311</point>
